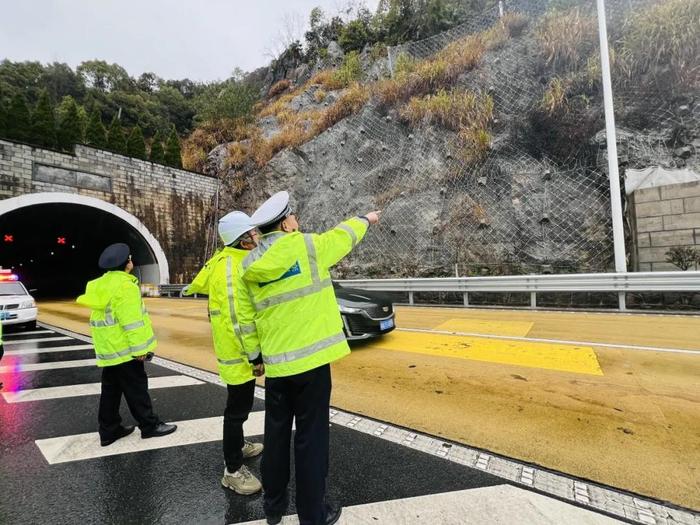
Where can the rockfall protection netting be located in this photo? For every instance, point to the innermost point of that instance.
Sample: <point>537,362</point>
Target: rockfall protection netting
<point>535,196</point>
<point>537,201</point>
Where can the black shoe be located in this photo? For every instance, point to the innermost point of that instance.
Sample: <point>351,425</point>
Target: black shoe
<point>333,514</point>
<point>123,431</point>
<point>162,429</point>
<point>273,520</point>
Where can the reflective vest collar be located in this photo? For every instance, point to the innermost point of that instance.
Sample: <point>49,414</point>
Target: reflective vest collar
<point>264,245</point>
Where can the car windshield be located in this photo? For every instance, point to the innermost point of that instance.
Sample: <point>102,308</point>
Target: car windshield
<point>12,289</point>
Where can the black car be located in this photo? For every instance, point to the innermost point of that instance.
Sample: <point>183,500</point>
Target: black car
<point>365,314</point>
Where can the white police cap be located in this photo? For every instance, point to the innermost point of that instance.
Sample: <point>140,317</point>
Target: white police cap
<point>233,225</point>
<point>272,210</point>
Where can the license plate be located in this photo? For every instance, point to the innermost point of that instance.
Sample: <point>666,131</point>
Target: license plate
<point>386,324</point>
<point>4,315</point>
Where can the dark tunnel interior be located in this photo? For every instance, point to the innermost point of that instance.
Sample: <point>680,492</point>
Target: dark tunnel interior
<point>54,248</point>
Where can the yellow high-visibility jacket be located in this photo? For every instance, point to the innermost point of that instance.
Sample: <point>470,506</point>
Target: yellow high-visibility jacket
<point>119,323</point>
<point>290,313</point>
<point>217,280</point>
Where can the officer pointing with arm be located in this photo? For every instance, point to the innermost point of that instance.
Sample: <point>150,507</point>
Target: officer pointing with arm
<point>217,280</point>
<point>290,321</point>
<point>123,339</point>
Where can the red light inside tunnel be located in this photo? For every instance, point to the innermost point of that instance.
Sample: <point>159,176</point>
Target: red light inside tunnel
<point>9,238</point>
<point>61,240</point>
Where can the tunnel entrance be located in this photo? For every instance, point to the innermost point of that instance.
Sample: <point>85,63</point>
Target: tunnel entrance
<point>53,241</point>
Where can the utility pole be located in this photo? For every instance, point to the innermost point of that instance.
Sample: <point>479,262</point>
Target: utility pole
<point>615,200</point>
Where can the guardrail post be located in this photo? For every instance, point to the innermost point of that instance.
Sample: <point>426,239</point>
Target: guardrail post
<point>466,298</point>
<point>622,301</point>
<point>410,297</point>
<point>533,299</point>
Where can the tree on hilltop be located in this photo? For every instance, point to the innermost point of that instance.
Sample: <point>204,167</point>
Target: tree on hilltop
<point>157,151</point>
<point>43,127</point>
<point>135,145</point>
<point>116,141</point>
<point>95,134</point>
<point>70,127</point>
<point>173,155</point>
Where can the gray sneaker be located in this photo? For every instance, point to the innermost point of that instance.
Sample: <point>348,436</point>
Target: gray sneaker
<point>241,481</point>
<point>251,449</point>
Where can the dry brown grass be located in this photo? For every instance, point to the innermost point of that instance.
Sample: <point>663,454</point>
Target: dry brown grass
<point>566,39</point>
<point>466,210</point>
<point>237,155</point>
<point>209,135</point>
<point>328,79</point>
<point>347,104</point>
<point>320,95</point>
<point>662,44</point>
<point>453,110</point>
<point>510,26</point>
<point>278,88</point>
<point>431,75</point>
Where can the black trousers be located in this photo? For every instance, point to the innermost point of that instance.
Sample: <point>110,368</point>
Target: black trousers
<point>306,398</point>
<point>131,380</point>
<point>238,405</point>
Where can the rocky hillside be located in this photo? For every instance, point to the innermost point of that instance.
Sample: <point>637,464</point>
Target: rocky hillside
<point>486,152</point>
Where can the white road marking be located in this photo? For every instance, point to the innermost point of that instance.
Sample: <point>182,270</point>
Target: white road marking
<point>89,389</point>
<point>33,367</point>
<point>41,340</point>
<point>48,350</point>
<point>87,446</point>
<point>502,504</point>
<point>554,341</point>
<point>33,332</point>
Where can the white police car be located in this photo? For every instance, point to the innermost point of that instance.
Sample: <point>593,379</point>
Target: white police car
<point>17,307</point>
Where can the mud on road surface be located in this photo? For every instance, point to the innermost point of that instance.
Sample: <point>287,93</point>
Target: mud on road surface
<point>626,417</point>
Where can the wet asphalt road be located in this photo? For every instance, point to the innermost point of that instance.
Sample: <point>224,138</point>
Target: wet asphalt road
<point>179,484</point>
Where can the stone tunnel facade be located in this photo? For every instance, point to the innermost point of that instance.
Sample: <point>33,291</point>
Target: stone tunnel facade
<point>174,205</point>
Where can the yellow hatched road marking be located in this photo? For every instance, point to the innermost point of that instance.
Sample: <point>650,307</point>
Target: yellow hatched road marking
<point>478,326</point>
<point>564,358</point>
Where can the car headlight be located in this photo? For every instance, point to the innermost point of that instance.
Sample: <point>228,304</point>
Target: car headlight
<point>348,310</point>
<point>28,304</point>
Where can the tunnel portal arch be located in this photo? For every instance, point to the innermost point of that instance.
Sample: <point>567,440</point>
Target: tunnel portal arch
<point>157,273</point>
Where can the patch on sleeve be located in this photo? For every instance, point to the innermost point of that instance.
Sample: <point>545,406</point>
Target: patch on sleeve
<point>294,270</point>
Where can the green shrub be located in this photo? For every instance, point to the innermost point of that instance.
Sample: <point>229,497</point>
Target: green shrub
<point>683,257</point>
<point>350,71</point>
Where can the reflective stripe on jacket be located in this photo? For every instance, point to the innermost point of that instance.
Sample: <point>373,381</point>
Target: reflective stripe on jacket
<point>217,280</point>
<point>290,312</point>
<point>120,326</point>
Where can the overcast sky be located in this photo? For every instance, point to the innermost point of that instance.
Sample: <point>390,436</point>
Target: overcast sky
<point>197,39</point>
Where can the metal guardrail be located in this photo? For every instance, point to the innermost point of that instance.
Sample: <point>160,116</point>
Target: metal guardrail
<point>172,289</point>
<point>620,283</point>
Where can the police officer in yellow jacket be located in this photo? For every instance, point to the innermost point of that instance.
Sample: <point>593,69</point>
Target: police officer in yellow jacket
<point>123,340</point>
<point>289,318</point>
<point>217,280</point>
